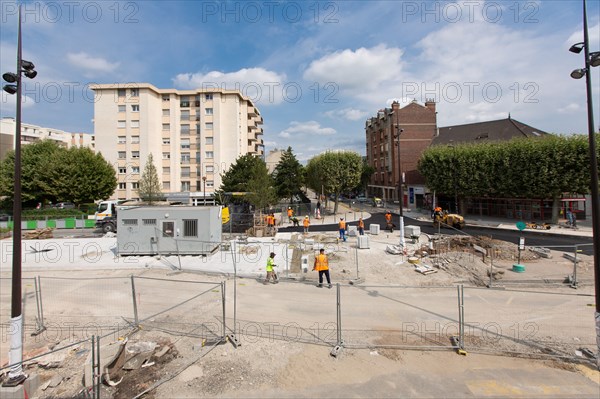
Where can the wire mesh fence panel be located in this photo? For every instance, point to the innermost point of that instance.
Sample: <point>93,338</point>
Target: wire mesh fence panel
<point>397,317</point>
<point>180,306</point>
<point>528,322</point>
<point>99,304</point>
<point>296,312</point>
<point>28,304</point>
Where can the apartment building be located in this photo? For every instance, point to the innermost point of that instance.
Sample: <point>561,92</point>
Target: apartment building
<point>395,139</point>
<point>32,133</point>
<point>193,136</point>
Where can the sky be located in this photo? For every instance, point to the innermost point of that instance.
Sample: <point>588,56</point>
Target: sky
<point>317,70</point>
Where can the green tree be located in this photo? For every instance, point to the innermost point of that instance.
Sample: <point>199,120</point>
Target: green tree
<point>80,176</point>
<point>239,174</point>
<point>288,175</point>
<point>36,159</point>
<point>524,168</point>
<point>335,172</point>
<point>261,190</point>
<point>149,185</point>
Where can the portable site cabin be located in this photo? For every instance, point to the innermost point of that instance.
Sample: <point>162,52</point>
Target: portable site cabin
<point>168,230</point>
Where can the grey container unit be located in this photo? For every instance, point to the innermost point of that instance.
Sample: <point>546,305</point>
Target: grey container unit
<point>169,230</point>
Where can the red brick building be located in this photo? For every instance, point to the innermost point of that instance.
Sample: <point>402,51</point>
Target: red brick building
<point>395,139</point>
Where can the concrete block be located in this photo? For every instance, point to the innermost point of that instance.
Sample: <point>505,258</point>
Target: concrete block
<point>309,241</point>
<point>25,390</point>
<point>374,229</point>
<point>363,242</point>
<point>412,231</point>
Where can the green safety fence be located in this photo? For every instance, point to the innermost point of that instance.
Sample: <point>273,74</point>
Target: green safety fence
<point>89,223</point>
<point>31,224</point>
<point>51,223</point>
<point>70,223</point>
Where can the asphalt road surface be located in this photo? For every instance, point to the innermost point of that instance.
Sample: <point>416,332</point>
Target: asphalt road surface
<point>532,238</point>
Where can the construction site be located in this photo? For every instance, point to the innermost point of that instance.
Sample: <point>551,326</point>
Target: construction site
<point>449,316</point>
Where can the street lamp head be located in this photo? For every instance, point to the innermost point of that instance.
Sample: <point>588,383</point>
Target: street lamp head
<point>10,77</point>
<point>595,59</point>
<point>10,89</point>
<point>31,74</point>
<point>576,48</point>
<point>578,73</point>
<point>27,65</point>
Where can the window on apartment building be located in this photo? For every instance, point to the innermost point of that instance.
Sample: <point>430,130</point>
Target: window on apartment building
<point>166,170</point>
<point>122,170</point>
<point>121,124</point>
<point>166,140</point>
<point>135,123</point>
<point>209,141</point>
<point>185,172</point>
<point>185,115</point>
<point>209,168</point>
<point>135,108</point>
<point>185,130</point>
<point>166,127</point>
<point>184,101</point>
<point>197,116</point>
<point>208,111</point>
<point>121,92</point>
<point>135,139</point>
<point>135,169</point>
<point>210,183</point>
<point>166,98</point>
<point>190,228</point>
<point>135,154</point>
<point>135,92</point>
<point>121,108</point>
<point>185,144</point>
<point>185,157</point>
<point>197,157</point>
<point>208,125</point>
<point>198,185</point>
<point>166,185</point>
<point>185,186</point>
<point>122,186</point>
<point>166,112</point>
<point>122,155</point>
<point>135,185</point>
<point>121,140</point>
<point>208,154</point>
<point>208,97</point>
<point>166,155</point>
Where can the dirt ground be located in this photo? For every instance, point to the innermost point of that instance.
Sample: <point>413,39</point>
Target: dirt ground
<point>194,364</point>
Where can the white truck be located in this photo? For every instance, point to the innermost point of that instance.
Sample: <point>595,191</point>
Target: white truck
<point>107,209</point>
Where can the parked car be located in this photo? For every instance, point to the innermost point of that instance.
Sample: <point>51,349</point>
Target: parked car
<point>65,205</point>
<point>362,198</point>
<point>4,217</point>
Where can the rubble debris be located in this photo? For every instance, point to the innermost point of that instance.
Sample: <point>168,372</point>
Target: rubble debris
<point>425,269</point>
<point>39,234</point>
<point>52,360</point>
<point>541,251</point>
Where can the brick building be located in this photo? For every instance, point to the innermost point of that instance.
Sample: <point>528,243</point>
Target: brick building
<point>395,139</point>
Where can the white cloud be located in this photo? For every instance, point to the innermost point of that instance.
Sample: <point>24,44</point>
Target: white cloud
<point>92,64</point>
<point>310,128</point>
<point>351,114</point>
<point>260,85</point>
<point>569,108</point>
<point>357,72</point>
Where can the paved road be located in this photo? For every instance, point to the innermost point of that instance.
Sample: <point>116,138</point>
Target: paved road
<point>532,238</point>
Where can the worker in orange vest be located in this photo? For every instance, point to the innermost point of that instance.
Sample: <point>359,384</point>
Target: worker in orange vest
<point>306,223</point>
<point>342,227</point>
<point>322,266</point>
<point>361,227</point>
<point>290,214</point>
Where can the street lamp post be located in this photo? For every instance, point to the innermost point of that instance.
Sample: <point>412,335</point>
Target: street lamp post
<point>591,60</point>
<point>399,131</point>
<point>15,374</point>
<point>204,189</point>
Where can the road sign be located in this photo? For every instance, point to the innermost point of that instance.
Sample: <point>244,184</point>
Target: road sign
<point>521,226</point>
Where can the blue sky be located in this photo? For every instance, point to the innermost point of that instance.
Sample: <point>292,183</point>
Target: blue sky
<point>316,70</point>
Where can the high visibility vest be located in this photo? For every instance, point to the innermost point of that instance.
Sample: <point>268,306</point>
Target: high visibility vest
<point>290,213</point>
<point>306,222</point>
<point>342,225</point>
<point>270,264</point>
<point>388,217</point>
<point>361,224</point>
<point>321,262</point>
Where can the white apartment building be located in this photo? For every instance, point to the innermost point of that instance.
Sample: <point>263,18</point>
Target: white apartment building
<point>193,136</point>
<point>32,133</point>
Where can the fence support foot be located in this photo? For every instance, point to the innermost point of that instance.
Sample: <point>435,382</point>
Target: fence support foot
<point>234,341</point>
<point>337,350</point>
<point>457,346</point>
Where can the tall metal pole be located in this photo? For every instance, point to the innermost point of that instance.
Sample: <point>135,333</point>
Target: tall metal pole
<point>15,375</point>
<point>593,175</point>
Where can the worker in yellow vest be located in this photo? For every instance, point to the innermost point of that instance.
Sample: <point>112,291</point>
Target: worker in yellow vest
<point>322,266</point>
<point>306,223</point>
<point>270,271</point>
<point>342,227</point>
